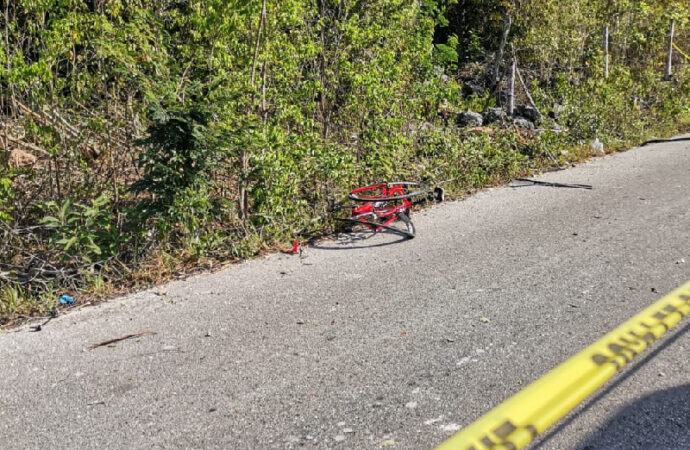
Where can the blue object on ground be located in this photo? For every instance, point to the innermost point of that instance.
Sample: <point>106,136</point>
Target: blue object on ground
<point>66,300</point>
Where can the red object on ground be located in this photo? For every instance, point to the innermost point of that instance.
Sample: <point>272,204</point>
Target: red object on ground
<point>295,248</point>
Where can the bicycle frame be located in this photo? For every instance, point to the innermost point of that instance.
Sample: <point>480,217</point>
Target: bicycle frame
<point>375,205</point>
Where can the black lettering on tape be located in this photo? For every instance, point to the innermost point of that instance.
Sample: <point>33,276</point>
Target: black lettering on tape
<point>599,359</point>
<point>631,350</point>
<point>504,430</point>
<point>627,342</point>
<point>649,338</point>
<point>635,342</point>
<point>619,351</point>
<point>616,348</point>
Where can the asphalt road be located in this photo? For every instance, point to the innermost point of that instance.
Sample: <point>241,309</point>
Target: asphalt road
<point>368,343</point>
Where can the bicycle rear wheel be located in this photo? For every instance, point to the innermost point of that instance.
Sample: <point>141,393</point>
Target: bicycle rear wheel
<point>403,226</point>
<point>395,190</point>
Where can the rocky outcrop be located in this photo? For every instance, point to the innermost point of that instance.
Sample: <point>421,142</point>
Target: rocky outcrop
<point>528,112</point>
<point>469,119</point>
<point>523,124</point>
<point>495,115</point>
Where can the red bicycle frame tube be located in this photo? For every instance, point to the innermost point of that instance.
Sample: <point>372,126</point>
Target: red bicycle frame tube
<point>390,212</point>
<point>385,191</point>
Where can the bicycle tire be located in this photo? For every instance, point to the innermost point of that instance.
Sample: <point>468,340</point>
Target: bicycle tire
<point>408,232</point>
<point>356,197</point>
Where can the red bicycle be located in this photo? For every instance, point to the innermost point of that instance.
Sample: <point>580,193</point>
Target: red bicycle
<point>380,206</point>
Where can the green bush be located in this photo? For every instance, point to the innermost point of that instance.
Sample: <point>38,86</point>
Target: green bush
<point>83,232</point>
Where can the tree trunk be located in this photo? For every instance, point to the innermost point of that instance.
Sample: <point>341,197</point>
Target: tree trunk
<point>507,21</point>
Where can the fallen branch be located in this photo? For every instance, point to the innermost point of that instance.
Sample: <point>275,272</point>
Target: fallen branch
<point>121,338</point>
<point>51,118</point>
<point>28,145</point>
<point>56,117</point>
<point>530,182</point>
<point>29,111</point>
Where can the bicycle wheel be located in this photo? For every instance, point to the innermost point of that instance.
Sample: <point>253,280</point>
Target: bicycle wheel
<point>375,224</point>
<point>396,190</point>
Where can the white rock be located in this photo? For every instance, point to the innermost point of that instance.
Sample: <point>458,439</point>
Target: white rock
<point>597,146</point>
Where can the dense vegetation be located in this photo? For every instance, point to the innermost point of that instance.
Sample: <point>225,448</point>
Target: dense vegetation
<point>143,137</point>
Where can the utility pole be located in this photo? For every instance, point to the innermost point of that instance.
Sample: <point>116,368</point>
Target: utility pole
<point>606,51</point>
<point>669,56</point>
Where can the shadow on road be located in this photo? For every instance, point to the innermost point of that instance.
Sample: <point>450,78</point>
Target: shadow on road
<point>359,240</point>
<point>657,141</point>
<point>658,421</point>
<point>542,444</point>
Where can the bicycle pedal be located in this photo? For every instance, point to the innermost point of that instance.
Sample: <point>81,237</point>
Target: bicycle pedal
<point>439,194</point>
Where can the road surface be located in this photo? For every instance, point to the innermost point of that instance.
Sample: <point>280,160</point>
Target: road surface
<point>381,343</point>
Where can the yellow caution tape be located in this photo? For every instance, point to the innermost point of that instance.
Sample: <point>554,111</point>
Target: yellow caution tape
<point>518,420</point>
<point>680,51</point>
